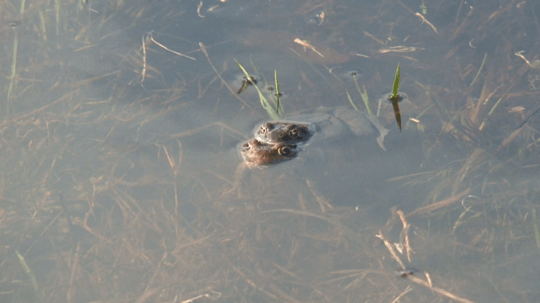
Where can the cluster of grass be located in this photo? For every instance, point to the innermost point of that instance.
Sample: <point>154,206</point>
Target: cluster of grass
<point>275,111</point>
<point>274,108</point>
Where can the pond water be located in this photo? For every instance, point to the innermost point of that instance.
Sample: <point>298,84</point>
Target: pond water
<point>120,166</point>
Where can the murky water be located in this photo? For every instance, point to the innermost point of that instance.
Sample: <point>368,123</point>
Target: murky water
<point>119,135</point>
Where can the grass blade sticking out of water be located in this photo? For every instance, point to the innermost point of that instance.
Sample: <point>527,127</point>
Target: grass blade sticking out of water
<point>279,110</point>
<point>273,113</point>
<point>395,87</point>
<point>395,98</point>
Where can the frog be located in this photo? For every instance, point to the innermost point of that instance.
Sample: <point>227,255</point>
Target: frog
<point>274,143</point>
<point>260,154</point>
<point>312,169</point>
<point>321,124</point>
<point>283,132</point>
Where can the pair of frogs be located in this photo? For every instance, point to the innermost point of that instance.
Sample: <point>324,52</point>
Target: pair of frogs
<point>277,142</point>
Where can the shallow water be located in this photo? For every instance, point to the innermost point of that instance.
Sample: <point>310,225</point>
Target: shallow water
<point>117,187</point>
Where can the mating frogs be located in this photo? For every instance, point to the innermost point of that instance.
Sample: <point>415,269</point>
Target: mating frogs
<point>320,125</point>
<point>305,135</point>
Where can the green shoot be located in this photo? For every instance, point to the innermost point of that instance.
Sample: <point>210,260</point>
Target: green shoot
<point>395,87</point>
<point>424,8</point>
<point>273,113</point>
<point>278,94</point>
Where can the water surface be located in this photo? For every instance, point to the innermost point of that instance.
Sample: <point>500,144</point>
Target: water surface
<point>119,155</point>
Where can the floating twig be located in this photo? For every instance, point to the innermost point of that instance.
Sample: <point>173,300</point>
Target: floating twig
<point>305,44</point>
<point>143,72</point>
<point>424,20</point>
<point>391,249</point>
<point>212,296</point>
<point>405,233</point>
<point>440,291</point>
<point>199,10</point>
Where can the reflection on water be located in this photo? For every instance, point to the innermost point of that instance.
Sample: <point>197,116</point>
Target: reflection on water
<point>117,187</point>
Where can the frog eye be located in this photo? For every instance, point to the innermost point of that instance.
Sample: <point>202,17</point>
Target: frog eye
<point>293,132</point>
<point>251,144</point>
<point>265,128</point>
<point>286,150</point>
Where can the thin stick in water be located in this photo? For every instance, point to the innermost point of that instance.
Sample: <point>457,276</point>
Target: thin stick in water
<point>143,72</point>
<point>170,50</point>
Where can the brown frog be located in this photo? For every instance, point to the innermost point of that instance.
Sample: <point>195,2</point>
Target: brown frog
<point>277,142</point>
<point>258,154</point>
<point>281,132</point>
<point>319,125</point>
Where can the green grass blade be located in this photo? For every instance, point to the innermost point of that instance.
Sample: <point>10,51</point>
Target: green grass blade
<point>279,110</point>
<point>395,87</point>
<point>264,102</point>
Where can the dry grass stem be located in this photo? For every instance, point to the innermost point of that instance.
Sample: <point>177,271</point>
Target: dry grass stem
<point>438,290</point>
<point>440,204</point>
<point>391,250</point>
<point>199,6</point>
<point>424,20</point>
<point>305,44</point>
<point>405,233</point>
<point>143,72</point>
<point>168,49</point>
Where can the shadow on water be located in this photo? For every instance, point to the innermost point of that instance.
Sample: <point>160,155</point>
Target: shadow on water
<point>119,131</point>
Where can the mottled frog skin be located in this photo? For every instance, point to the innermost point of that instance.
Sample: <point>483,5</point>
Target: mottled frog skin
<point>321,124</point>
<point>256,153</point>
<point>283,132</point>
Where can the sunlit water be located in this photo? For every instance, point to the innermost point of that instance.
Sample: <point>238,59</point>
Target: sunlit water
<point>119,157</point>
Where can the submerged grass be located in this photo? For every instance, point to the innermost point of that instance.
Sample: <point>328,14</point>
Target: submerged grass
<point>13,70</point>
<point>147,220</point>
<point>30,274</point>
<point>363,94</point>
